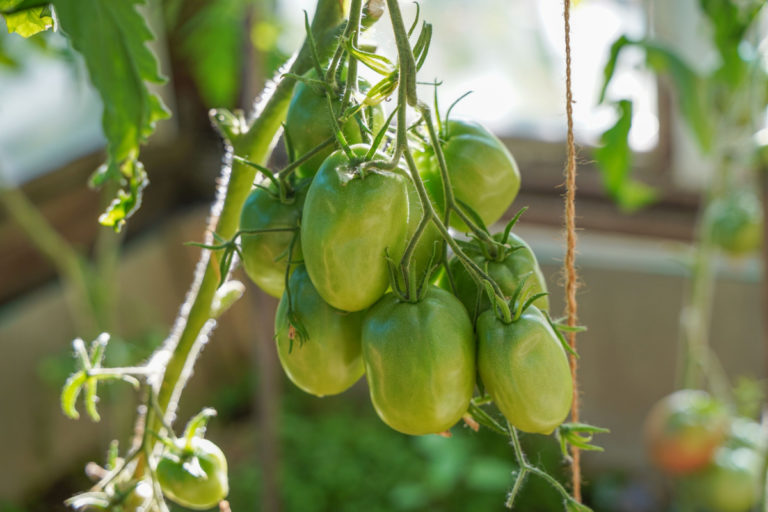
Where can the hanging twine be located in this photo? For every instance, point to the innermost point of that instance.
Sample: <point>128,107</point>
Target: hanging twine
<point>571,279</point>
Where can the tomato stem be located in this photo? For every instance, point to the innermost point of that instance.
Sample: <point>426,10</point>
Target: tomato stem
<point>255,145</point>
<point>527,467</point>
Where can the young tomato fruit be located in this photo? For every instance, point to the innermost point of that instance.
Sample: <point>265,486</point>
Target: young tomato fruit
<point>196,476</point>
<point>684,429</point>
<point>735,223</point>
<point>525,370</point>
<point>349,220</point>
<point>483,173</point>
<point>508,268</point>
<point>265,255</point>
<point>308,123</point>
<point>730,483</point>
<point>329,361</point>
<point>420,361</point>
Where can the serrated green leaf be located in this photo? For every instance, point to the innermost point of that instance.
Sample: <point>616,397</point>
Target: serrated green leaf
<point>111,36</point>
<point>29,22</point>
<point>70,392</point>
<point>614,158</point>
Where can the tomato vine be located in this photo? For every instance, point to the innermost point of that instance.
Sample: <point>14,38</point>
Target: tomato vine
<point>371,170</point>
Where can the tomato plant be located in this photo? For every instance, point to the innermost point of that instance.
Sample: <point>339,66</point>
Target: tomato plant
<point>419,361</point>
<point>483,173</point>
<point>365,204</point>
<point>329,360</point>
<point>351,218</point>
<point>524,368</point>
<point>684,430</point>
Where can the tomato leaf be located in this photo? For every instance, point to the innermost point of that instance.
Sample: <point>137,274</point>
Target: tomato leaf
<point>29,22</point>
<point>730,22</point>
<point>111,36</point>
<point>691,88</point>
<point>614,158</point>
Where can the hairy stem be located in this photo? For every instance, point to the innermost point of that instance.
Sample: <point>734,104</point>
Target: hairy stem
<point>254,145</point>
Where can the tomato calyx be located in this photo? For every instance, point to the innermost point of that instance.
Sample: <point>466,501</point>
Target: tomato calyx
<point>192,471</point>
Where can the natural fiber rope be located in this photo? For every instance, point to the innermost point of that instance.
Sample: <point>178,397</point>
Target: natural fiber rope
<point>571,279</point>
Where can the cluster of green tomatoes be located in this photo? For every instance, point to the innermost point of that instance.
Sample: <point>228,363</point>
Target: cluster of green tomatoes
<point>329,242</point>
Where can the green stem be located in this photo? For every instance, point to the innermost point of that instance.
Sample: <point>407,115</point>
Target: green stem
<point>69,264</point>
<point>408,83</point>
<point>450,198</point>
<point>527,467</point>
<point>255,145</point>
<point>288,169</point>
<point>698,359</point>
<point>351,32</point>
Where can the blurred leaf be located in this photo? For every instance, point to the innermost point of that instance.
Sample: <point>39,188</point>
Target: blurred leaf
<point>575,506</point>
<point>29,22</point>
<point>111,35</point>
<point>730,23</point>
<point>614,158</point>
<point>690,87</point>
<point>212,46</point>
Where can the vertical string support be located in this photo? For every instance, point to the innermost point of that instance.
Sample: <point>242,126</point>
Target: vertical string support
<point>569,269</point>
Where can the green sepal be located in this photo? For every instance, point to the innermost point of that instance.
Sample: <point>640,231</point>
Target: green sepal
<point>70,392</point>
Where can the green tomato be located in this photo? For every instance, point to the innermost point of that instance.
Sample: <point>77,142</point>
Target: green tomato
<point>483,172</point>
<point>194,476</point>
<point>420,361</point>
<point>508,270</point>
<point>736,222</point>
<point>731,483</point>
<point>525,370</point>
<point>684,429</point>
<point>329,361</point>
<point>348,222</point>
<point>308,123</point>
<point>265,255</point>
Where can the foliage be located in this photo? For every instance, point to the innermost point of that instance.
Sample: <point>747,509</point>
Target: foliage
<point>709,102</point>
<point>113,41</point>
<point>112,36</point>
